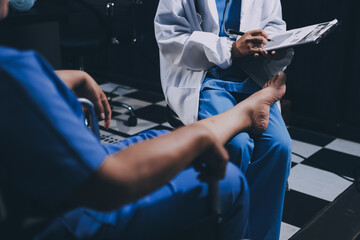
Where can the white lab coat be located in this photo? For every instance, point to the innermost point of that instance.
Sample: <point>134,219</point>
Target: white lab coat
<point>189,45</point>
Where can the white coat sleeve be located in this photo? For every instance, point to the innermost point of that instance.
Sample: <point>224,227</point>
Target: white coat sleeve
<point>182,42</point>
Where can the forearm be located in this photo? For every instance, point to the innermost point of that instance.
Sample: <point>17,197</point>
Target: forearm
<point>185,144</point>
<point>72,78</point>
<point>144,167</point>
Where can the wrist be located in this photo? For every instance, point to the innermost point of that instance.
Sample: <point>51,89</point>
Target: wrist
<point>205,136</point>
<point>235,53</point>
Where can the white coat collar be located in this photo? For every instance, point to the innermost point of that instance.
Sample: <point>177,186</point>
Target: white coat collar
<point>209,6</point>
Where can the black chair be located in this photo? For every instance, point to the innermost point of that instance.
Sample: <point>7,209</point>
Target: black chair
<point>172,118</point>
<point>91,119</point>
<point>132,120</point>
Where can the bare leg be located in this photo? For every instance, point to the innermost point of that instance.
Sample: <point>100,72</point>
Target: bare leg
<point>261,102</point>
<point>251,114</point>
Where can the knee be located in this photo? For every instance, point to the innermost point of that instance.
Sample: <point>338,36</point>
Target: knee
<point>240,149</point>
<point>242,141</point>
<point>285,143</point>
<point>282,148</point>
<point>234,188</point>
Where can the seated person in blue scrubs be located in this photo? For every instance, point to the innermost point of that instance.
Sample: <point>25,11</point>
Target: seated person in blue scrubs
<point>54,169</point>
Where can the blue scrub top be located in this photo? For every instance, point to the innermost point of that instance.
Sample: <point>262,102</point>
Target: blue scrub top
<point>229,15</point>
<point>232,79</point>
<point>47,152</point>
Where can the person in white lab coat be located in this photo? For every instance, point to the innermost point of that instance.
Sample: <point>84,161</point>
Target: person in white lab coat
<point>206,71</point>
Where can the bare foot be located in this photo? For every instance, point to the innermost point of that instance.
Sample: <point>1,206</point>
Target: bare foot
<point>260,102</point>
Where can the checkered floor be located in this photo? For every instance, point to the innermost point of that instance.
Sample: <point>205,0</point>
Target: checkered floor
<point>322,166</point>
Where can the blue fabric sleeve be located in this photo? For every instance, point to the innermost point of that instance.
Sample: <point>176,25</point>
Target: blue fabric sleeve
<point>47,150</point>
<point>146,135</point>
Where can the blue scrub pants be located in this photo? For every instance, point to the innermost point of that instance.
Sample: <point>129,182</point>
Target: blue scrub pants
<point>178,205</point>
<point>264,159</point>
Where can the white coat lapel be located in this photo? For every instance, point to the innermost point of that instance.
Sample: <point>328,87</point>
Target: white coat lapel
<point>247,14</point>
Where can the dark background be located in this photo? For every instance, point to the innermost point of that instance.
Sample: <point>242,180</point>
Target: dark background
<point>323,80</point>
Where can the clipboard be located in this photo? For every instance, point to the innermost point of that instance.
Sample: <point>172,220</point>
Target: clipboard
<point>300,36</point>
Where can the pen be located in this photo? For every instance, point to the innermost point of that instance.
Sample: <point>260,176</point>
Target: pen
<point>232,31</point>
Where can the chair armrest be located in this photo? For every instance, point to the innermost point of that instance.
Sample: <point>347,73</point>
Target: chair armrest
<point>92,120</point>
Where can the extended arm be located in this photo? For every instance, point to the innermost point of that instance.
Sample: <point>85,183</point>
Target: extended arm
<point>144,167</point>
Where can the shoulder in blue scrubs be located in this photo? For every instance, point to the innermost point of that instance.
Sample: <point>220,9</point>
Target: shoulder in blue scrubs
<point>46,135</point>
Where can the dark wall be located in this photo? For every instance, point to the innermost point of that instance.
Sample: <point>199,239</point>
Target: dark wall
<point>34,29</point>
<point>51,25</point>
<point>134,60</point>
<point>323,79</point>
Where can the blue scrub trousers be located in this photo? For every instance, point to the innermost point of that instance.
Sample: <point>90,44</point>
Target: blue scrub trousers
<point>178,205</point>
<point>264,159</point>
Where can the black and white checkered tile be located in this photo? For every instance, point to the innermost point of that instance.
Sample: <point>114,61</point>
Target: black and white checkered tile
<point>326,168</point>
<point>322,166</point>
<point>149,108</point>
